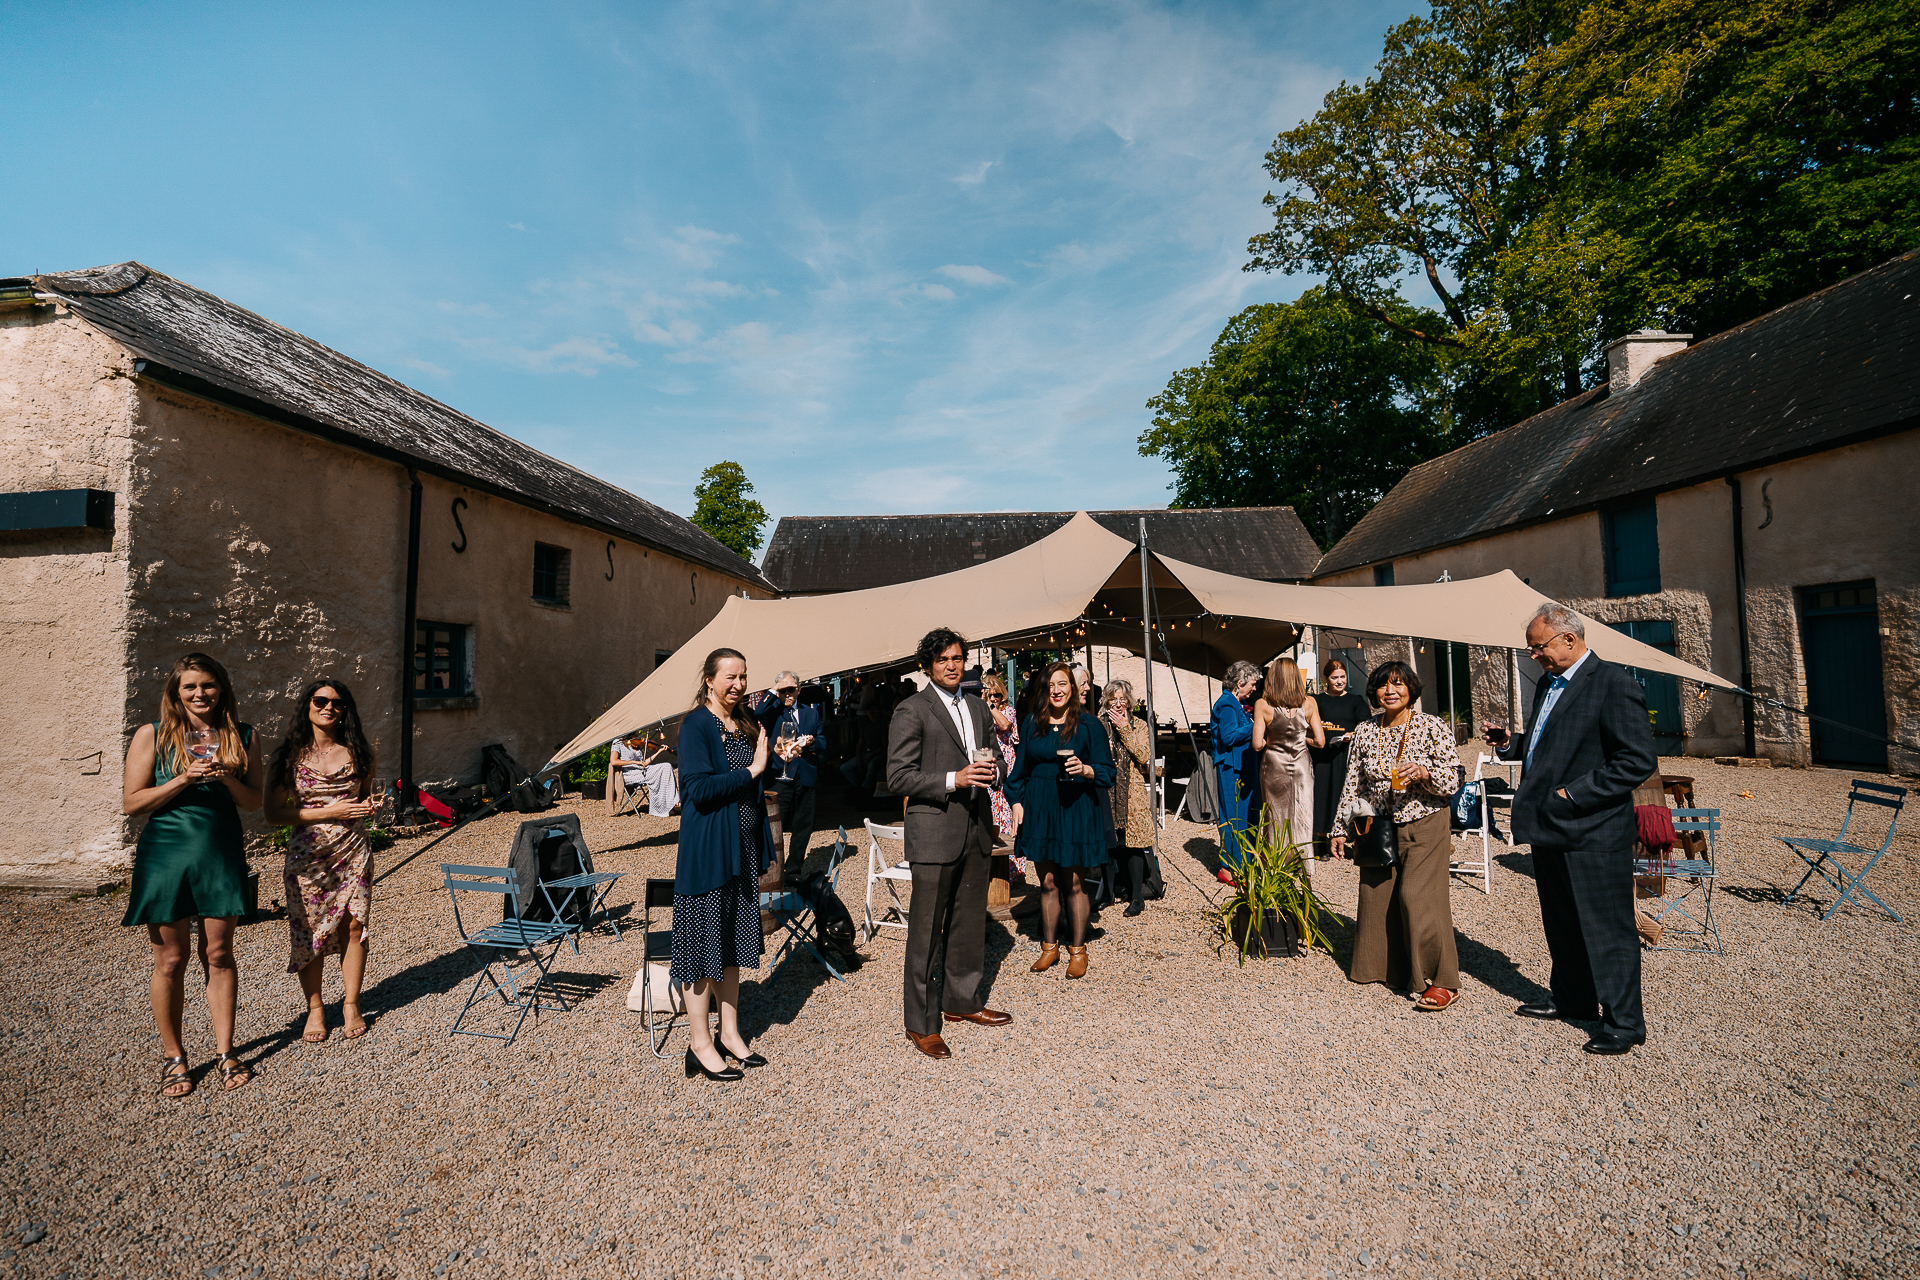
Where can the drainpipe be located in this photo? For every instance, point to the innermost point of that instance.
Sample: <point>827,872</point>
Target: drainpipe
<point>1740,593</point>
<point>410,620</point>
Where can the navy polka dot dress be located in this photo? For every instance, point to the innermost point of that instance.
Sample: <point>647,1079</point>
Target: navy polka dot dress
<point>720,929</point>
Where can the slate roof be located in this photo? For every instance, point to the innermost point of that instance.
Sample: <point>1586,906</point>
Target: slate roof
<point>1836,367</point>
<point>190,339</point>
<point>813,554</point>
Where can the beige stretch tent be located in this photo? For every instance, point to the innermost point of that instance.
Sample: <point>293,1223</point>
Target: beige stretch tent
<point>1078,586</point>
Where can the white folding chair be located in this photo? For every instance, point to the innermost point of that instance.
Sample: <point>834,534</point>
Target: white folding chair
<point>1488,800</point>
<point>882,867</point>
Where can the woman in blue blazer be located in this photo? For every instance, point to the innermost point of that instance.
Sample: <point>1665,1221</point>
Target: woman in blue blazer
<point>725,842</point>
<point>1232,738</point>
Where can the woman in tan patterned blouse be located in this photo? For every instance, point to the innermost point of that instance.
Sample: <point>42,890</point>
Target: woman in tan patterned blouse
<point>1402,763</point>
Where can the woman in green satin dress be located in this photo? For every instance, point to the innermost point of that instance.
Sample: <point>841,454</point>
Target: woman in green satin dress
<point>191,772</point>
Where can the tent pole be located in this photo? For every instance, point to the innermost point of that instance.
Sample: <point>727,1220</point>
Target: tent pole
<point>1146,651</point>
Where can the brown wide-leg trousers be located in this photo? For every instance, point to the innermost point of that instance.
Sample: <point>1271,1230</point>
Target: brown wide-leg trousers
<point>1405,934</point>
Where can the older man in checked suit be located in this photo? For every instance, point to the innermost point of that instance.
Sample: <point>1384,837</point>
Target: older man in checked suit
<point>1586,746</point>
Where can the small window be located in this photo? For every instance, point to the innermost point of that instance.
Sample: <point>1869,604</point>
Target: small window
<point>1382,577</point>
<point>1633,550</point>
<point>552,573</point>
<point>660,657</point>
<point>442,662</point>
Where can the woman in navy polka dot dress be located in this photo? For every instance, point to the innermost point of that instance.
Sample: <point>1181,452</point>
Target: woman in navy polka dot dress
<point>725,842</point>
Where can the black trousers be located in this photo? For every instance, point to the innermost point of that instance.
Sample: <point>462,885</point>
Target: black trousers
<point>947,938</point>
<point>1586,908</point>
<point>796,818</point>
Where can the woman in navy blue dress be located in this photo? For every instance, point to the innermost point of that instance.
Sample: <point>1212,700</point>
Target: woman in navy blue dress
<point>1061,765</point>
<point>725,842</point>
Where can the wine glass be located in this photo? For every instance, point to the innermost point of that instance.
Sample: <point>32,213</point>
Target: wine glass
<point>784,745</point>
<point>203,744</point>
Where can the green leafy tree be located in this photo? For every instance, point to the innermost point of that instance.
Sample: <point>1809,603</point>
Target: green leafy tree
<point>1558,174</point>
<point>1308,404</point>
<point>723,505</point>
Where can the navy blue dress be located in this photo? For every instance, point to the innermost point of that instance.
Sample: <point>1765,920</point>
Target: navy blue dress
<point>720,929</point>
<point>1061,815</point>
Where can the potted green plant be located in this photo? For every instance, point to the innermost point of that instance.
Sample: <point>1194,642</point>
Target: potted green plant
<point>589,772</point>
<point>1272,909</point>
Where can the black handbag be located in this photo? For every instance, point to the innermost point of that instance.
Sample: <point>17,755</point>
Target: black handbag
<point>1376,841</point>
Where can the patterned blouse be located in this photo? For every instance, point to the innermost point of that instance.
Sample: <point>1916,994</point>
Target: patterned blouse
<point>1370,769</point>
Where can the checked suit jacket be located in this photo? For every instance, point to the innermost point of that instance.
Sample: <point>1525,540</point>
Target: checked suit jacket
<point>1598,745</point>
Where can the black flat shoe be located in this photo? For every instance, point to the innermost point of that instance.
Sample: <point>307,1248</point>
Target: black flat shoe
<point>1538,1009</point>
<point>751,1060</point>
<point>695,1065</point>
<point>1607,1042</point>
<point>1134,910</point>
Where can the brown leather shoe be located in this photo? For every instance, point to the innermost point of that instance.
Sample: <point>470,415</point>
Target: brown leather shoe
<point>1076,962</point>
<point>933,1046</point>
<point>985,1017</point>
<point>1049,956</point>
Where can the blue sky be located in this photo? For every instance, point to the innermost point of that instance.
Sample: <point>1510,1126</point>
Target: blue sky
<point>890,257</point>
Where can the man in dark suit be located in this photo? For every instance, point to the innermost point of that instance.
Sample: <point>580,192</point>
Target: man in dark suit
<point>930,746</point>
<point>1586,746</point>
<point>794,779</point>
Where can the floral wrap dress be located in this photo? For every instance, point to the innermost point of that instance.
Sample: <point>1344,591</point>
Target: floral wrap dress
<point>329,870</point>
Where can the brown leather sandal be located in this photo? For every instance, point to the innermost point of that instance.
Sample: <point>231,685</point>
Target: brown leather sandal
<point>1435,998</point>
<point>1049,956</point>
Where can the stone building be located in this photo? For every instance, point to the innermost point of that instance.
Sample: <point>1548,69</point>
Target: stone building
<point>177,473</point>
<point>1746,502</point>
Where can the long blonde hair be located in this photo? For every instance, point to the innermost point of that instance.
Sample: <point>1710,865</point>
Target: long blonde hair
<point>170,747</point>
<point>1284,686</point>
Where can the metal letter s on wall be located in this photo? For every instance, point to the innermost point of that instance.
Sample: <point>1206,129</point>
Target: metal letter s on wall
<point>460,547</point>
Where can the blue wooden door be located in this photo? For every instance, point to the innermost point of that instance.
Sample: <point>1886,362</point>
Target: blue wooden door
<point>1662,690</point>
<point>1840,627</point>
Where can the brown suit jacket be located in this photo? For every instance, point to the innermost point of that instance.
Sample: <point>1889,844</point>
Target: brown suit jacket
<point>923,747</point>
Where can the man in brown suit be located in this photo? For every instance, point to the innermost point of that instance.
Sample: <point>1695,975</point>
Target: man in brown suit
<point>930,747</point>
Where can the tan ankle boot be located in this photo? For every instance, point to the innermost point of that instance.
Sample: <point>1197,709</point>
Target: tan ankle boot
<point>1077,962</point>
<point>1049,955</point>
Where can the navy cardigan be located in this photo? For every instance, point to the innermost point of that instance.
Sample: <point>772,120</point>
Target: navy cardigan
<point>710,844</point>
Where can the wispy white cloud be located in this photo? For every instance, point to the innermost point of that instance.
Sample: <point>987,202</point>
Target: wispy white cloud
<point>973,177</point>
<point>973,275</point>
<point>580,354</point>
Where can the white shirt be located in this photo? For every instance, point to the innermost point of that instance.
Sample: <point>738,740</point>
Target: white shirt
<point>1554,690</point>
<point>956,705</point>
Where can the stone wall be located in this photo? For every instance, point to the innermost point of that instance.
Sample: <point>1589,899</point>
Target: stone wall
<point>65,414</point>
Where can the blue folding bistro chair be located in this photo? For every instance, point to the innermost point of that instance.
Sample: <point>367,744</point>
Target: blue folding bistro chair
<point>504,939</point>
<point>594,886</point>
<point>1686,915</point>
<point>1820,855</point>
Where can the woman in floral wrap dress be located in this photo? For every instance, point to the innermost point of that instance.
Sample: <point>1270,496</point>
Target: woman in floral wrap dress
<point>322,784</point>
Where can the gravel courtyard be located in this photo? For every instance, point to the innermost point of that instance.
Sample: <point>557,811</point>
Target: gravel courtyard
<point>1170,1114</point>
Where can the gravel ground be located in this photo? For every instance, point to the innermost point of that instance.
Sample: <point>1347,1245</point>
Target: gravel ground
<point>1171,1114</point>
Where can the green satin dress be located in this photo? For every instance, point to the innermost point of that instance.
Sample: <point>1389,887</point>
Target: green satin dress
<point>192,856</point>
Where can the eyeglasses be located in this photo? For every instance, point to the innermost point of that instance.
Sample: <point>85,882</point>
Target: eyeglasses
<point>324,703</point>
<point>786,689</point>
<point>1541,647</point>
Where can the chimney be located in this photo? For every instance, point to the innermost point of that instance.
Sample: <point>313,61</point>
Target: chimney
<point>1629,358</point>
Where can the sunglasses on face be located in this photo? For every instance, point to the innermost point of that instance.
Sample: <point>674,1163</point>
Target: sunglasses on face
<point>323,703</point>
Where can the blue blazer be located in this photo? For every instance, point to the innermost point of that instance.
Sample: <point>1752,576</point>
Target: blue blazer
<point>1232,735</point>
<point>710,844</point>
<point>806,765</point>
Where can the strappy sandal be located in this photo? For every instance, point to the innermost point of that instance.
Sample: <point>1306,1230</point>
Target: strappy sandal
<point>1435,998</point>
<point>233,1072</point>
<point>173,1071</point>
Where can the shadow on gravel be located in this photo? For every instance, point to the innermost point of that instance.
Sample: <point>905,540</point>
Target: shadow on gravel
<point>1497,969</point>
<point>1772,893</point>
<point>664,839</point>
<point>1521,864</point>
<point>1206,852</point>
<point>765,1005</point>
